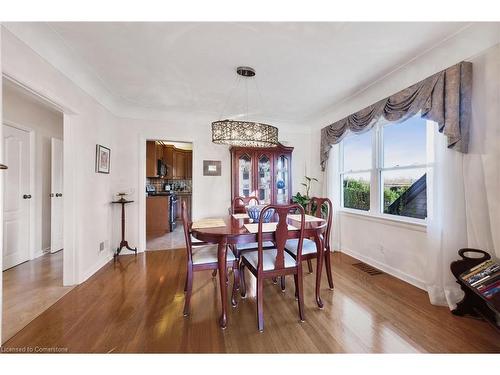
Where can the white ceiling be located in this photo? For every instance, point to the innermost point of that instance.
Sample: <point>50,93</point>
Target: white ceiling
<point>302,68</point>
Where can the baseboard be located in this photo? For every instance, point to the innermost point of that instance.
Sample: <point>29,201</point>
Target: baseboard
<point>38,254</point>
<point>387,269</point>
<point>96,267</point>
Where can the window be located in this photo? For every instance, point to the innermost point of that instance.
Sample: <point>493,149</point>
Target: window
<point>356,171</point>
<point>384,171</point>
<point>403,168</point>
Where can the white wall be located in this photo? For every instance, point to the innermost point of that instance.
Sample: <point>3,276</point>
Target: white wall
<point>46,123</point>
<point>482,162</point>
<point>86,123</point>
<point>400,249</point>
<point>211,194</point>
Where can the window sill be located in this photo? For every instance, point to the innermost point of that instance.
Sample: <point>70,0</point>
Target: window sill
<point>407,223</point>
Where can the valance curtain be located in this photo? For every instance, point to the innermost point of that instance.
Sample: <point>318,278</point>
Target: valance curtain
<point>444,97</point>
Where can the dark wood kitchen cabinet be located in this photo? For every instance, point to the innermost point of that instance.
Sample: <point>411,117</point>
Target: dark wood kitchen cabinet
<point>178,162</point>
<point>182,164</point>
<point>186,198</point>
<point>189,165</point>
<point>154,152</point>
<point>263,172</point>
<point>157,216</point>
<point>151,159</point>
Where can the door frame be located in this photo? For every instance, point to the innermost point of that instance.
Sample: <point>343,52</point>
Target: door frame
<point>51,250</point>
<point>70,259</point>
<point>31,208</point>
<point>141,197</point>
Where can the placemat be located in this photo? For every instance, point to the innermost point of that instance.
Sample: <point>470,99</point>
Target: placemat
<point>208,223</point>
<point>266,227</point>
<point>307,218</point>
<point>241,216</point>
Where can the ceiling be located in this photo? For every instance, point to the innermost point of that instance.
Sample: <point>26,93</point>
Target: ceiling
<point>302,68</point>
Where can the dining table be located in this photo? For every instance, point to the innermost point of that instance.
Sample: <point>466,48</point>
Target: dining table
<point>232,230</point>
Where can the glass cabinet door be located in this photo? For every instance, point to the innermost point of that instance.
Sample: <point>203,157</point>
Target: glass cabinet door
<point>245,175</point>
<point>264,179</point>
<point>282,171</point>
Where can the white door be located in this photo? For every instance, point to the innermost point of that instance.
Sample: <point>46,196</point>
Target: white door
<point>57,199</point>
<point>16,231</point>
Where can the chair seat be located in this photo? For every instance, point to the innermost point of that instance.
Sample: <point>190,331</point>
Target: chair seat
<point>253,245</point>
<point>308,246</point>
<point>208,254</point>
<point>269,259</point>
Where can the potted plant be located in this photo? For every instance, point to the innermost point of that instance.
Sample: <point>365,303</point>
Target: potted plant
<point>304,200</point>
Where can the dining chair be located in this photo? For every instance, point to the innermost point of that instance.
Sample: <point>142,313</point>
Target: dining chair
<point>239,204</point>
<point>201,258</point>
<point>275,262</point>
<point>309,250</point>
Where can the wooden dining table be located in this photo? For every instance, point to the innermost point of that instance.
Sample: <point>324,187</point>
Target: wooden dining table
<point>234,232</point>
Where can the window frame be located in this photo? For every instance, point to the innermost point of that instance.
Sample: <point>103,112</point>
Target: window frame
<point>376,210</point>
<point>343,172</point>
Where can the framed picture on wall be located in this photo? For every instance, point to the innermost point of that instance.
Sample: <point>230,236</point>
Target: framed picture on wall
<point>211,168</point>
<point>102,159</point>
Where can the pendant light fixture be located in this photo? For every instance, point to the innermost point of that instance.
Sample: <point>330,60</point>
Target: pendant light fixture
<point>244,133</point>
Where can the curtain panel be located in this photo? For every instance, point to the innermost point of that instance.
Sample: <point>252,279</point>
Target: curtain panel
<point>444,97</point>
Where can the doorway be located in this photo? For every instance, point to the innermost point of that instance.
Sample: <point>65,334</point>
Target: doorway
<point>32,207</point>
<point>168,187</point>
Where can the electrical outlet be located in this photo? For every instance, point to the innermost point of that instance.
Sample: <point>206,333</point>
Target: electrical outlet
<point>102,246</point>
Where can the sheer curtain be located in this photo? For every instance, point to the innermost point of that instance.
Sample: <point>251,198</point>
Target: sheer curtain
<point>446,223</point>
<point>331,189</point>
<point>459,213</point>
<point>466,186</point>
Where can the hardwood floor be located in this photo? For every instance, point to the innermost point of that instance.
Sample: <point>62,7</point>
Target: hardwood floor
<point>29,289</point>
<point>136,305</point>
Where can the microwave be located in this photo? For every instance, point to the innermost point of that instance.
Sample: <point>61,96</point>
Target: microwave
<point>162,168</point>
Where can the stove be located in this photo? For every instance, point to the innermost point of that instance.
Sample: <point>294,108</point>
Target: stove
<point>173,210</point>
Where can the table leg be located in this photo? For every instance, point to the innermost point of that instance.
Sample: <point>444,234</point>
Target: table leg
<point>319,268</point>
<point>221,257</point>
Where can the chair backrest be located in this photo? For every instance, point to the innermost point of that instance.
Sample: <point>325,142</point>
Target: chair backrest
<point>282,234</point>
<point>239,203</point>
<point>317,204</point>
<point>187,231</point>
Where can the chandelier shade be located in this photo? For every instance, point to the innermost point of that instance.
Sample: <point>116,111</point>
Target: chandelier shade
<point>244,133</point>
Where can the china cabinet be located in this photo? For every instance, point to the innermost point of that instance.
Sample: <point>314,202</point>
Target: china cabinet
<point>263,172</point>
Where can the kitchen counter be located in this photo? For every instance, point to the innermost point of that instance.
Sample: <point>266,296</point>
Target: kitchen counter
<point>157,215</point>
<point>160,194</point>
<point>167,193</point>
<point>182,192</point>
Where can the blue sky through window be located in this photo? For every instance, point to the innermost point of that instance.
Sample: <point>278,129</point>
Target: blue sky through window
<point>404,144</point>
<point>358,152</point>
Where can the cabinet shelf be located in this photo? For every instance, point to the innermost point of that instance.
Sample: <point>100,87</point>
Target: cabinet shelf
<point>256,171</point>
